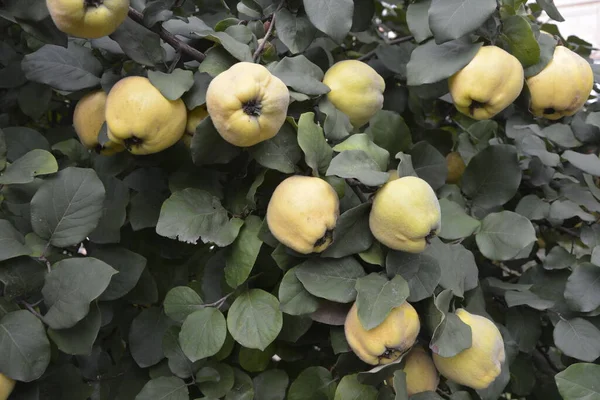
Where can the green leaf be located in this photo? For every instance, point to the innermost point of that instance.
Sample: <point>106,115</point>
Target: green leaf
<point>351,234</point>
<point>294,30</point>
<point>72,68</point>
<point>533,207</point>
<point>579,382</point>
<point>358,165</point>
<point>237,49</point>
<point>395,57</point>
<point>300,74</point>
<point>67,207</point>
<point>504,235</point>
<point>164,388</point>
<point>516,298</point>
<point>79,339</point>
<point>350,388</point>
<point>399,380</point>
<point>429,164</point>
<point>561,134</point>
<point>577,338</point>
<point>582,291</point>
<point>21,276</point>
<point>451,335</point>
<point>281,152</point>
<point>547,45</point>
<point>377,296</point>
<point>242,387</point>
<point>129,265</point>
<point>517,32</point>
<point>146,336</point>
<point>293,297</point>
<point>487,185</point>
<point>209,147</point>
<point>417,17</point>
<point>332,17</point>
<point>388,130</point>
<point>12,242</point>
<point>552,11</point>
<point>178,363</point>
<point>317,152</point>
<point>589,163</point>
<point>114,212</point>
<point>431,63</point>
<point>203,333</point>
<point>456,224</point>
<point>254,319</point>
<point>337,125</point>
<point>19,140</point>
<point>192,214</point>
<point>71,286</point>
<point>196,95</point>
<point>457,265</point>
<point>271,385</point>
<point>219,388</point>
<point>313,383</point>
<point>331,279</point>
<point>139,43</point>
<point>24,346</point>
<point>524,326</point>
<point>253,360</point>
<point>180,302</point>
<point>421,271</point>
<point>243,253</point>
<point>35,163</point>
<point>559,258</point>
<point>453,19</point>
<point>362,141</point>
<point>172,85</point>
<point>566,209</point>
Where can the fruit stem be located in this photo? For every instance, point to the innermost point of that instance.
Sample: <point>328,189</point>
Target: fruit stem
<point>261,47</point>
<point>93,3</point>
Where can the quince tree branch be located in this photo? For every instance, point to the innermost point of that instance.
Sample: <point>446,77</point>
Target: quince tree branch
<point>261,47</point>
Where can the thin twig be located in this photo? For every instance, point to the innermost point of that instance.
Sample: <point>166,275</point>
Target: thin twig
<point>168,37</point>
<point>361,196</point>
<point>32,310</point>
<point>391,42</point>
<point>261,47</point>
<point>174,62</point>
<point>548,360</point>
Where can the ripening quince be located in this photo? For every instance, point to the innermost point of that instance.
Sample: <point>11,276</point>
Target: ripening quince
<point>386,342</point>
<point>141,118</point>
<point>562,87</point>
<point>456,167</point>
<point>7,385</point>
<point>356,89</point>
<point>302,213</point>
<point>88,118</point>
<point>194,118</point>
<point>488,84</point>
<point>247,104</point>
<point>88,19</point>
<point>421,375</point>
<point>478,366</point>
<point>405,214</point>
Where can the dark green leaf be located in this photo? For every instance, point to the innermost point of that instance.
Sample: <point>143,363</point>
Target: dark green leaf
<point>300,74</point>
<point>417,17</point>
<point>547,45</point>
<point>552,11</point>
<point>196,95</point>
<point>20,140</point>
<point>533,207</point>
<point>504,235</point>
<point>456,224</point>
<point>180,302</point>
<point>179,364</point>
<point>253,360</point>
<point>313,383</point>
<point>517,32</point>
<point>350,388</point>
<point>358,165</point>
<point>219,388</point>
<point>114,213</point>
<point>525,327</point>
<point>351,234</point>
<point>79,339</point>
<point>293,297</point>
<point>12,242</point>
<point>317,152</point>
<point>243,252</point>
<point>362,141</point>
<point>589,163</point>
<point>331,279</point>
<point>453,19</point>
<point>139,43</point>
<point>451,335</point>
<point>377,296</point>
<point>239,50</point>
<point>579,382</point>
<point>203,333</point>
<point>582,291</point>
<point>429,164</point>
<point>333,17</point>
<point>208,147</point>
<point>271,385</point>
<point>559,258</point>
<point>172,85</point>
<point>21,276</point>
<point>457,264</point>
<point>146,335</point>
<point>23,170</point>
<point>577,338</point>
<point>421,271</point>
<point>294,30</point>
<point>164,388</point>
<point>281,152</point>
<point>388,130</point>
<point>130,266</point>
<point>337,125</point>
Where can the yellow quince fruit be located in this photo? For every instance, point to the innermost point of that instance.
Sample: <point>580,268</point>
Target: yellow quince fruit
<point>456,167</point>
<point>302,213</point>
<point>90,19</point>
<point>247,104</point>
<point>562,87</point>
<point>88,118</point>
<point>488,84</point>
<point>478,366</point>
<point>141,118</point>
<point>421,374</point>
<point>194,118</point>
<point>405,214</point>
<point>386,342</point>
<point>7,385</point>
<point>356,89</point>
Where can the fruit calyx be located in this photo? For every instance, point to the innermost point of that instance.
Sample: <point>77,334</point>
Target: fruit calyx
<point>549,111</point>
<point>431,235</point>
<point>327,237</point>
<point>389,354</point>
<point>93,3</point>
<point>474,106</point>
<point>252,108</point>
<point>132,142</point>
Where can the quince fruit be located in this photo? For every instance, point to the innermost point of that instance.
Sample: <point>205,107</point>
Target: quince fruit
<point>478,366</point>
<point>247,104</point>
<point>491,81</point>
<point>356,89</point>
<point>562,87</point>
<point>88,118</point>
<point>456,167</point>
<point>141,118</point>
<point>405,214</point>
<point>386,342</point>
<point>194,118</point>
<point>90,19</point>
<point>7,385</point>
<point>303,212</point>
<point>421,374</point>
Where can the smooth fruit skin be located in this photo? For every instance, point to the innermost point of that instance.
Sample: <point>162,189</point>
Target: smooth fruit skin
<point>89,19</point>
<point>356,89</point>
<point>302,213</point>
<point>488,84</point>
<point>421,374</point>
<point>194,118</point>
<point>478,366</point>
<point>88,118</point>
<point>456,167</point>
<point>141,118</point>
<point>247,104</point>
<point>405,213</point>
<point>386,342</point>
<point>7,385</point>
<point>562,87</point>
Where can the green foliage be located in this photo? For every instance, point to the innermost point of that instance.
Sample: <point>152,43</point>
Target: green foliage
<point>157,277</point>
